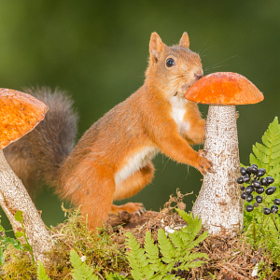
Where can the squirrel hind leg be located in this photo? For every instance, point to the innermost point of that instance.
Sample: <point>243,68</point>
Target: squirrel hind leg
<point>132,185</point>
<point>95,206</point>
<point>130,207</point>
<point>94,195</point>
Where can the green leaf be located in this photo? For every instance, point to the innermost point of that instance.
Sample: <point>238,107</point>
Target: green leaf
<point>166,248</point>
<point>152,251</point>
<point>137,258</point>
<point>41,272</point>
<point>187,217</point>
<point>156,261</point>
<point>115,276</point>
<point>19,216</point>
<point>19,234</point>
<point>267,155</point>
<point>2,257</point>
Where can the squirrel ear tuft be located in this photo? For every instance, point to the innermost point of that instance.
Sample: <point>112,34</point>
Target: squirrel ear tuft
<point>155,47</point>
<point>185,41</point>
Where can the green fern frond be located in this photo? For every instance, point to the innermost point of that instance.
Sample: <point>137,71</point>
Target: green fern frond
<point>80,270</point>
<point>187,217</point>
<point>193,228</point>
<point>196,242</point>
<point>115,276</point>
<point>177,240</point>
<point>200,238</point>
<point>188,265</point>
<point>167,249</point>
<point>189,257</point>
<point>137,259</point>
<point>175,251</point>
<point>267,155</point>
<point>152,253</point>
<point>41,272</point>
<point>151,249</point>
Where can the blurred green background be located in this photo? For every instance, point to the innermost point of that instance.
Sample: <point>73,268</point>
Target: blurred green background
<point>97,51</point>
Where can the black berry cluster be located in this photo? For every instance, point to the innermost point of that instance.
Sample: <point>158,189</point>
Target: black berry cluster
<point>257,184</point>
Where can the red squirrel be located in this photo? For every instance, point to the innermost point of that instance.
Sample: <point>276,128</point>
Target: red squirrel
<point>112,160</point>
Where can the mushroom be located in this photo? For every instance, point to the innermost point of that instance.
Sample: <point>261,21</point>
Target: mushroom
<point>219,204</point>
<point>19,114</point>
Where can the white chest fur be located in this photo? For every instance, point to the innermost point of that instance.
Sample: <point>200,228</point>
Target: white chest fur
<point>178,105</point>
<point>134,163</point>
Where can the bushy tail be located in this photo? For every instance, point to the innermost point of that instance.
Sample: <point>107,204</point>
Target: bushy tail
<point>38,155</point>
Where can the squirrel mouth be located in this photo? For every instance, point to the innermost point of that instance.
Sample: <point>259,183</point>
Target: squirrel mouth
<point>185,87</point>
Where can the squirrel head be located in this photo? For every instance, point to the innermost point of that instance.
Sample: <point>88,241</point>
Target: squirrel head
<point>174,69</point>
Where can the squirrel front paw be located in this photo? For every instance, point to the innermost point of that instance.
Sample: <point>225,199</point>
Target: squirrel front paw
<point>204,165</point>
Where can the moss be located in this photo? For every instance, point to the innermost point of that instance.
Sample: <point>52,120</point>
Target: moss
<point>100,252</point>
<point>18,265</point>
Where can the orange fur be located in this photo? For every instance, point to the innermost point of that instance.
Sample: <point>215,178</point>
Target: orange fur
<point>135,128</point>
<point>112,160</point>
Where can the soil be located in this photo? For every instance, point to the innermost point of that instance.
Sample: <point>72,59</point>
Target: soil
<point>229,257</point>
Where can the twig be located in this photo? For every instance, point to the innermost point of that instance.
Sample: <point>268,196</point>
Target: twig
<point>234,273</point>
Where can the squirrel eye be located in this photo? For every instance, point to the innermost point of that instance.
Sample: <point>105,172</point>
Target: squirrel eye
<point>170,62</point>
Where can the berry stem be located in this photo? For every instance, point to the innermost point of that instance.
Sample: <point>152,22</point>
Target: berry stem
<point>274,222</point>
<point>254,231</point>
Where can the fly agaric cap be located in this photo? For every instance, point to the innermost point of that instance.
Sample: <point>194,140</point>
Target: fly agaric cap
<point>19,114</point>
<point>224,88</point>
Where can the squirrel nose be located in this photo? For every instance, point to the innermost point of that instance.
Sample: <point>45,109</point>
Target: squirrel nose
<point>198,75</point>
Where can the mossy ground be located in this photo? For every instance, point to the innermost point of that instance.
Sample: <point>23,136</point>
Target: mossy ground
<point>229,258</point>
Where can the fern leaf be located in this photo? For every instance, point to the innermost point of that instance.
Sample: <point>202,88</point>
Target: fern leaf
<point>254,160</point>
<point>166,248</point>
<point>271,131</point>
<point>187,217</point>
<point>195,256</point>
<point>80,270</point>
<point>276,151</point>
<point>196,242</point>
<point>187,266</point>
<point>194,223</point>
<point>152,253</point>
<point>151,249</point>
<point>190,232</point>
<point>262,152</point>
<point>137,259</point>
<point>267,155</point>
<point>177,241</point>
<point>41,272</point>
<point>146,262</point>
<point>115,276</point>
<point>258,152</point>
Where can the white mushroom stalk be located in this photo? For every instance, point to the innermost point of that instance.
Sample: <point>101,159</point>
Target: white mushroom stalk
<point>19,114</point>
<point>219,203</point>
<point>14,197</point>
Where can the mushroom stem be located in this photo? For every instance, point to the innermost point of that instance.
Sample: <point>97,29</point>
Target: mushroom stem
<point>219,204</point>
<point>14,197</point>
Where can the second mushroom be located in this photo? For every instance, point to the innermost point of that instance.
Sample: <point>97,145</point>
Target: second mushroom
<point>19,114</point>
<point>219,204</point>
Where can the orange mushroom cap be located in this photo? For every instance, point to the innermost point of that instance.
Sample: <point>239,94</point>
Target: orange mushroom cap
<point>224,88</point>
<point>19,114</point>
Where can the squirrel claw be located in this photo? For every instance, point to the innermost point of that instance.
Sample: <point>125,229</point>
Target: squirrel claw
<point>203,153</point>
<point>205,165</point>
